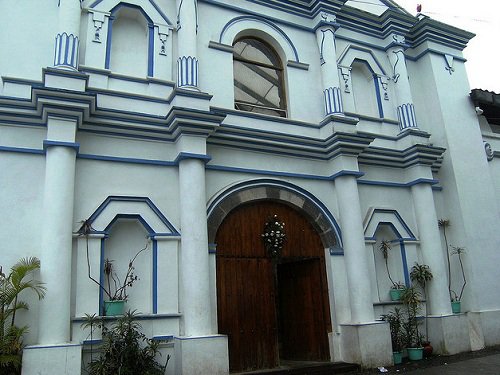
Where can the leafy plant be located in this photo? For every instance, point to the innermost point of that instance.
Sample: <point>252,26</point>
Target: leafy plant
<point>114,287</point>
<point>12,285</point>
<point>396,321</point>
<point>411,299</point>
<point>443,224</point>
<point>421,274</point>
<point>459,251</point>
<point>124,349</point>
<point>385,246</point>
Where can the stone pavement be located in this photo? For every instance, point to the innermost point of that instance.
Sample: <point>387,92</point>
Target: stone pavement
<point>483,362</point>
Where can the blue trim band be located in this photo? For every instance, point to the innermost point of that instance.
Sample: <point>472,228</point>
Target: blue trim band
<point>187,155</point>
<point>73,145</point>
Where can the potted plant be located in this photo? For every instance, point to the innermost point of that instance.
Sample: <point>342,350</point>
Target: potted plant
<point>397,287</point>
<point>124,349</point>
<point>12,285</point>
<point>395,319</point>
<point>456,298</point>
<point>421,274</point>
<point>411,299</point>
<point>114,287</point>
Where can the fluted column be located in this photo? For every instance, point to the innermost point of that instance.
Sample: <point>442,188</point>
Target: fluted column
<point>354,249</point>
<point>325,36</point>
<point>195,290</point>
<point>67,42</point>
<point>406,110</point>
<point>430,244</point>
<point>187,28</point>
<point>57,226</point>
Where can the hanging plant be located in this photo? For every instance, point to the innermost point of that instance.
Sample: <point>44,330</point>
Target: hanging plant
<point>274,236</point>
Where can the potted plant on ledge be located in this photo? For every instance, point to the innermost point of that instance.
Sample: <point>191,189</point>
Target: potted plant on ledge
<point>411,299</point>
<point>456,298</point>
<point>397,287</point>
<point>395,319</point>
<point>114,287</point>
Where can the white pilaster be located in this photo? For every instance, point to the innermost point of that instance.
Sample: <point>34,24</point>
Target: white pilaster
<point>406,111</point>
<point>354,249</point>
<point>195,281</point>
<point>67,39</point>
<point>325,36</point>
<point>187,28</point>
<point>438,298</point>
<point>56,243</point>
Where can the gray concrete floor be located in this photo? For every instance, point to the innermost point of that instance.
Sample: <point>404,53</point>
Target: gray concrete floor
<point>487,365</point>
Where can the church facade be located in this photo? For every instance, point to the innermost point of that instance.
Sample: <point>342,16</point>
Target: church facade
<point>195,128</point>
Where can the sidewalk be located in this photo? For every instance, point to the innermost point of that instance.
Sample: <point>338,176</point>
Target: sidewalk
<point>484,362</point>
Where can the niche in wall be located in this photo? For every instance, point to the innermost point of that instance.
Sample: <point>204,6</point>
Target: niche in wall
<point>129,42</point>
<point>363,87</point>
<point>126,237</point>
<point>396,261</point>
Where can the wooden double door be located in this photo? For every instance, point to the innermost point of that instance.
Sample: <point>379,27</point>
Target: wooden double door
<point>272,309</point>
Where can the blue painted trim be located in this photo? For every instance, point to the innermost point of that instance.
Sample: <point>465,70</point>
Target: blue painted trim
<point>379,97</point>
<point>157,8</point>
<point>336,251</point>
<point>187,155</point>
<point>405,263</point>
<point>117,159</point>
<point>264,21</point>
<point>163,338</point>
<point>108,42</point>
<point>400,220</point>
<point>145,200</point>
<point>212,248</point>
<point>101,278</point>
<point>73,145</point>
<point>155,276</point>
<point>22,150</point>
<point>399,184</point>
<point>332,177</point>
<point>433,51</point>
<point>151,48</point>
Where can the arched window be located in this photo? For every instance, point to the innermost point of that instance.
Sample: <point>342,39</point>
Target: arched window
<point>258,78</point>
<point>364,88</point>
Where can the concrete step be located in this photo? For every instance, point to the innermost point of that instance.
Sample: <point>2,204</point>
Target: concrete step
<point>306,368</point>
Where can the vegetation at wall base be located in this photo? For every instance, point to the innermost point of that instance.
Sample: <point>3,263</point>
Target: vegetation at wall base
<point>124,349</point>
<point>12,285</point>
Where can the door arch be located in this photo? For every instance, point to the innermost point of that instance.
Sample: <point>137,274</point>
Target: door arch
<point>271,309</point>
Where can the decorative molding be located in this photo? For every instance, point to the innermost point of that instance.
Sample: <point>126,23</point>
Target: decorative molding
<point>345,73</point>
<point>323,37</point>
<point>489,151</point>
<point>333,100</point>
<point>163,42</point>
<point>406,116</point>
<point>395,76</point>
<point>384,82</point>
<point>449,63</point>
<point>66,51</point>
<point>187,71</point>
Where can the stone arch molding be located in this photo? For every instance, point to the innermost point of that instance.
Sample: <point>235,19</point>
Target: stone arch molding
<point>152,11</point>
<point>352,53</point>
<point>387,216</point>
<point>140,208</point>
<point>238,25</point>
<point>258,190</point>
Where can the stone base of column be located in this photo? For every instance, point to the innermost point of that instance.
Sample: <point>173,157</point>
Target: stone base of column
<point>484,328</point>
<point>449,334</point>
<point>367,344</point>
<point>64,359</point>
<point>201,355</point>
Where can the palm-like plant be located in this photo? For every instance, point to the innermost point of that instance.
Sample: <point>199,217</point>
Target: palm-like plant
<point>12,285</point>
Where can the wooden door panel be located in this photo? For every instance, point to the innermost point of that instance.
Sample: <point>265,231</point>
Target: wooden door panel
<point>249,309</point>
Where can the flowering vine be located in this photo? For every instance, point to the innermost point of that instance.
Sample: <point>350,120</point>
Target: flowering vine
<point>274,236</point>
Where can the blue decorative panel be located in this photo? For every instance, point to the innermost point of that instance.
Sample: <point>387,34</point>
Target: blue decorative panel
<point>333,100</point>
<point>406,116</point>
<point>187,71</point>
<point>66,51</point>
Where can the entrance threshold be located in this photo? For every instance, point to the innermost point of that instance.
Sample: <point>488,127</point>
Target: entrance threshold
<point>306,368</point>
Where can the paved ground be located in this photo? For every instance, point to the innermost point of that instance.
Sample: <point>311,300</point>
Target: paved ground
<point>483,362</point>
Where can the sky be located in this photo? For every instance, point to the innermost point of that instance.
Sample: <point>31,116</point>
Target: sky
<point>482,17</point>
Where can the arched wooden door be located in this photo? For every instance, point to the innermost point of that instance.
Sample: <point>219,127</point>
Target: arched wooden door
<point>271,310</point>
